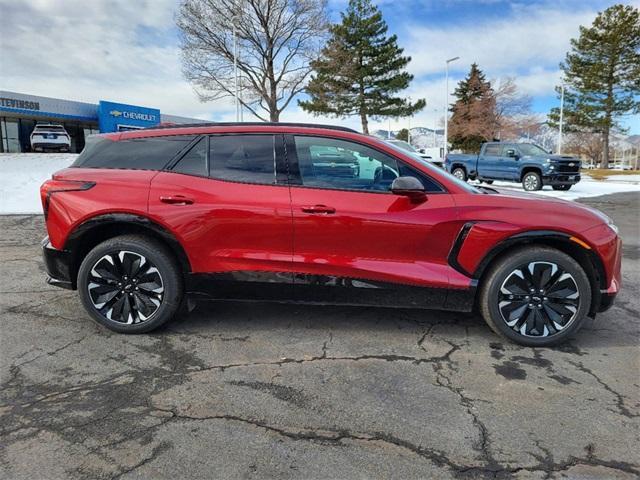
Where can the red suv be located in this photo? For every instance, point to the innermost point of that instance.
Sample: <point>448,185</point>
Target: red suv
<point>317,214</point>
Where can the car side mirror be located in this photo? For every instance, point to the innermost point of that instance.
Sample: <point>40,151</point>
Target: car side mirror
<point>422,150</point>
<point>512,153</point>
<point>409,187</point>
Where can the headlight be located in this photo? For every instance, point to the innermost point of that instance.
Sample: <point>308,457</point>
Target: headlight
<point>551,167</point>
<point>613,226</point>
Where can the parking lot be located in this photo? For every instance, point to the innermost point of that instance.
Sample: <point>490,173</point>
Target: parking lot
<point>241,390</point>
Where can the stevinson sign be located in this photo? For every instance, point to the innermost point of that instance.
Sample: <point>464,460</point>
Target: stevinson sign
<point>18,103</point>
<point>114,117</point>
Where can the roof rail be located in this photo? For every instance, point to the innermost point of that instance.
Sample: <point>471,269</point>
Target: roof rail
<point>251,124</point>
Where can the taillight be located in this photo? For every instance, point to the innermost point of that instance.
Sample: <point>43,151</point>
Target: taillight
<point>52,186</point>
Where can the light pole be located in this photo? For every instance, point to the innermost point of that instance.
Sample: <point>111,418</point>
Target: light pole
<point>561,118</point>
<point>446,103</point>
<point>235,68</point>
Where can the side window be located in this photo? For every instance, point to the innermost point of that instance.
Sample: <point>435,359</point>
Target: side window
<point>339,164</point>
<point>149,153</point>
<point>194,162</point>
<point>243,158</point>
<point>493,150</point>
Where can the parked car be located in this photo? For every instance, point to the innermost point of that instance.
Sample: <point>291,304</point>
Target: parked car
<point>622,167</point>
<point>419,152</point>
<point>146,218</point>
<point>49,136</point>
<point>516,162</point>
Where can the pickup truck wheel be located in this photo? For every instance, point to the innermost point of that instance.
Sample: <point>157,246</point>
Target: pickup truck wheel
<point>130,284</point>
<point>531,182</point>
<point>561,187</point>
<point>535,296</point>
<point>460,173</point>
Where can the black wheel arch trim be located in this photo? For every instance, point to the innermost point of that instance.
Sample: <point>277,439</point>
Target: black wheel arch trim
<point>593,267</point>
<point>74,241</point>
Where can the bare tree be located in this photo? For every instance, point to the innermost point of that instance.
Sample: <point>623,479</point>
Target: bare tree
<point>512,114</point>
<point>276,42</point>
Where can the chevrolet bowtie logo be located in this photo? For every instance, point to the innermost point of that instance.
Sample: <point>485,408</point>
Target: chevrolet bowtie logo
<point>116,113</point>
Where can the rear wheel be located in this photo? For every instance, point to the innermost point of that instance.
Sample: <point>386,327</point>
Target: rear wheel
<point>561,187</point>
<point>460,173</point>
<point>535,296</point>
<point>130,284</point>
<point>531,182</point>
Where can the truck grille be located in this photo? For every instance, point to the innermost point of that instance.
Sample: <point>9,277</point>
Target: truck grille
<point>567,168</point>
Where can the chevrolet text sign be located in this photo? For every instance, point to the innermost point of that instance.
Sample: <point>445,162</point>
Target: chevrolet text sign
<point>114,117</point>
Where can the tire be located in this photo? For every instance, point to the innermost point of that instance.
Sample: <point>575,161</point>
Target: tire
<point>531,182</point>
<point>561,187</point>
<point>117,264</point>
<point>460,173</point>
<point>528,318</point>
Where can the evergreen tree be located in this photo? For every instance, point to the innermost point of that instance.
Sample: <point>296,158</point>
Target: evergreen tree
<point>360,70</point>
<point>473,113</point>
<point>403,134</point>
<point>602,75</point>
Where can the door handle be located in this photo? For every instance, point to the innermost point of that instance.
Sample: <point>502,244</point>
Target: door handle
<point>319,209</point>
<point>176,200</point>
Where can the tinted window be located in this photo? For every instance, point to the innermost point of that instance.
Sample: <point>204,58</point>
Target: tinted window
<point>494,150</point>
<point>151,153</point>
<point>242,158</point>
<point>194,161</point>
<point>332,163</point>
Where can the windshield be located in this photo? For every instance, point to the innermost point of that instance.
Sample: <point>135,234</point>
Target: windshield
<point>403,145</point>
<point>531,149</point>
<point>436,170</point>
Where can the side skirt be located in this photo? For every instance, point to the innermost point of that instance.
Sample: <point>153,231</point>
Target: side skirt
<point>324,290</point>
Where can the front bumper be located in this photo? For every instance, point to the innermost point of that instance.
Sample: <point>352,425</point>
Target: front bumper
<point>57,263</point>
<point>562,179</point>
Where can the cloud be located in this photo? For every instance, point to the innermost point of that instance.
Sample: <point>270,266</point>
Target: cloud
<point>120,50</point>
<point>525,36</point>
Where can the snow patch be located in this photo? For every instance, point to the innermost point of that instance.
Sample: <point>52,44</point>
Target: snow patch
<point>21,175</point>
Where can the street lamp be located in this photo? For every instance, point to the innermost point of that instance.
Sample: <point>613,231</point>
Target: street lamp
<point>446,107</point>
<point>561,118</point>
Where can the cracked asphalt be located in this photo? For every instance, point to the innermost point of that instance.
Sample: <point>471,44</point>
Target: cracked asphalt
<point>279,391</point>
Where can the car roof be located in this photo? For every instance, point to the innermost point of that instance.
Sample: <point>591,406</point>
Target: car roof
<point>242,127</point>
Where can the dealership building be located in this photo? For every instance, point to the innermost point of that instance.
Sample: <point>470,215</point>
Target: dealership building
<point>19,114</point>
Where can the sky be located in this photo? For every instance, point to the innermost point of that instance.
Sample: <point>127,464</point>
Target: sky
<point>128,51</point>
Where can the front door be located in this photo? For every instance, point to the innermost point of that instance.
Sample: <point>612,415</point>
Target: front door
<point>228,203</point>
<point>354,240</point>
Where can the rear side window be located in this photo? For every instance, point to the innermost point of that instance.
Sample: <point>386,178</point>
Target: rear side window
<point>493,150</point>
<point>151,153</point>
<point>243,158</point>
<point>194,161</point>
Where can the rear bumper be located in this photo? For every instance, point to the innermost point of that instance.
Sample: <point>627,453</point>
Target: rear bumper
<point>51,145</point>
<point>564,179</point>
<point>57,263</point>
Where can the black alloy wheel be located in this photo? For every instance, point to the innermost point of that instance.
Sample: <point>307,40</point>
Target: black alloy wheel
<point>125,287</point>
<point>539,299</point>
<point>535,295</point>
<point>130,284</point>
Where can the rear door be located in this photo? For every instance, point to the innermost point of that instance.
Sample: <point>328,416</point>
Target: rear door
<point>227,201</point>
<point>355,241</point>
<point>490,162</point>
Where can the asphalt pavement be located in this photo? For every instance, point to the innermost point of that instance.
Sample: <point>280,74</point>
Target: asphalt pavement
<point>241,390</point>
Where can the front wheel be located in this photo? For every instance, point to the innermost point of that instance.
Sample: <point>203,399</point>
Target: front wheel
<point>130,284</point>
<point>531,182</point>
<point>561,187</point>
<point>460,173</point>
<point>535,296</point>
